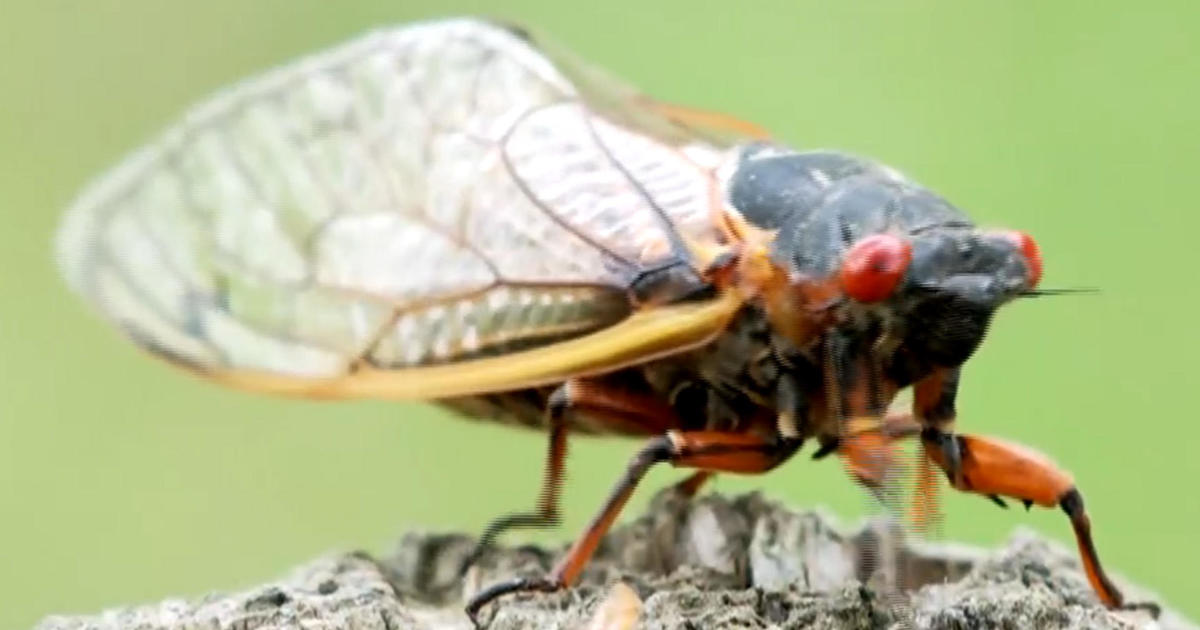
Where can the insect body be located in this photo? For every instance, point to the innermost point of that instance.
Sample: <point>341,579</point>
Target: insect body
<point>452,212</point>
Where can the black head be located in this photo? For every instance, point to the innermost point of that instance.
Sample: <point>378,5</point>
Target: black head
<point>913,272</point>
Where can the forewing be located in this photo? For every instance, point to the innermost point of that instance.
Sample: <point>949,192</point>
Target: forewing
<point>427,196</point>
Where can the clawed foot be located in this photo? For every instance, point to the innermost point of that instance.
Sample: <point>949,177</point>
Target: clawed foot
<point>484,597</point>
<point>1150,607</point>
<point>526,520</point>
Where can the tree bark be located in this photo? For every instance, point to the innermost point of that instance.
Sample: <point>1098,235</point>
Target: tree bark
<point>714,562</point>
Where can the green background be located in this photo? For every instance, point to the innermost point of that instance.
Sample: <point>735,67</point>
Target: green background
<point>122,480</point>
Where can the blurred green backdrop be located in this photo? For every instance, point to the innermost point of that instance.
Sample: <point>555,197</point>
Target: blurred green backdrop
<point>122,480</point>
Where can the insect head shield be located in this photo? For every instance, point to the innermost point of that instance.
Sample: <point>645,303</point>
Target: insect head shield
<point>907,264</point>
<point>981,266</point>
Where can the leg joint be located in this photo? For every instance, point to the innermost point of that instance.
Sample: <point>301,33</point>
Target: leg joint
<point>659,449</point>
<point>1072,503</point>
<point>559,401</point>
<point>948,452</point>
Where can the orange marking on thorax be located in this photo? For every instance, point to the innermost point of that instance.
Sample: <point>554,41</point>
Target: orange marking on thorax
<point>795,309</point>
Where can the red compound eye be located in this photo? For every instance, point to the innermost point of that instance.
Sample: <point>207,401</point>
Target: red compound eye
<point>1031,252</point>
<point>874,267</point>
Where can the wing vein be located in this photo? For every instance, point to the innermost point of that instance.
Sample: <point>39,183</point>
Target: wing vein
<point>506,159</point>
<point>668,227</point>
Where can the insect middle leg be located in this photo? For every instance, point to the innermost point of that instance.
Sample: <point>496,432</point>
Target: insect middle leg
<point>868,449</point>
<point>691,485</point>
<point>705,450</point>
<point>868,446</point>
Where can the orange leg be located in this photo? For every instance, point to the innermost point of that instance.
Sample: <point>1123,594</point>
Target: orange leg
<point>625,411</point>
<point>926,512</point>
<point>933,404</point>
<point>995,468</point>
<point>868,452</point>
<point>692,484</point>
<point>867,446</point>
<point>707,450</point>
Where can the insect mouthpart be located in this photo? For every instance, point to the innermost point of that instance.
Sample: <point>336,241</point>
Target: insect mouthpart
<point>1032,293</point>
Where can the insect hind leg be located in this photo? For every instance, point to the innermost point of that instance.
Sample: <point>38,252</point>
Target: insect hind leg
<point>546,514</point>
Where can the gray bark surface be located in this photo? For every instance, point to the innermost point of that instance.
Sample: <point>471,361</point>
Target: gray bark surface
<point>715,562</point>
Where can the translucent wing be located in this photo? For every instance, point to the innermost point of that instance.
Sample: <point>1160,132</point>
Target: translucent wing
<point>424,197</point>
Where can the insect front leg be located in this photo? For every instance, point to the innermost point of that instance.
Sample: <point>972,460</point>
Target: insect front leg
<point>995,469</point>
<point>706,450</point>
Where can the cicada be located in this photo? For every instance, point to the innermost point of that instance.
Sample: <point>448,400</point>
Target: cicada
<point>455,211</point>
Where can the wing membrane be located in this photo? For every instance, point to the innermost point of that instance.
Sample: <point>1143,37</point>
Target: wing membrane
<point>424,197</point>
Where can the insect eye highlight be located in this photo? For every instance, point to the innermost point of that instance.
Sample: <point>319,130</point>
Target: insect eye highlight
<point>1032,253</point>
<point>874,266</point>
